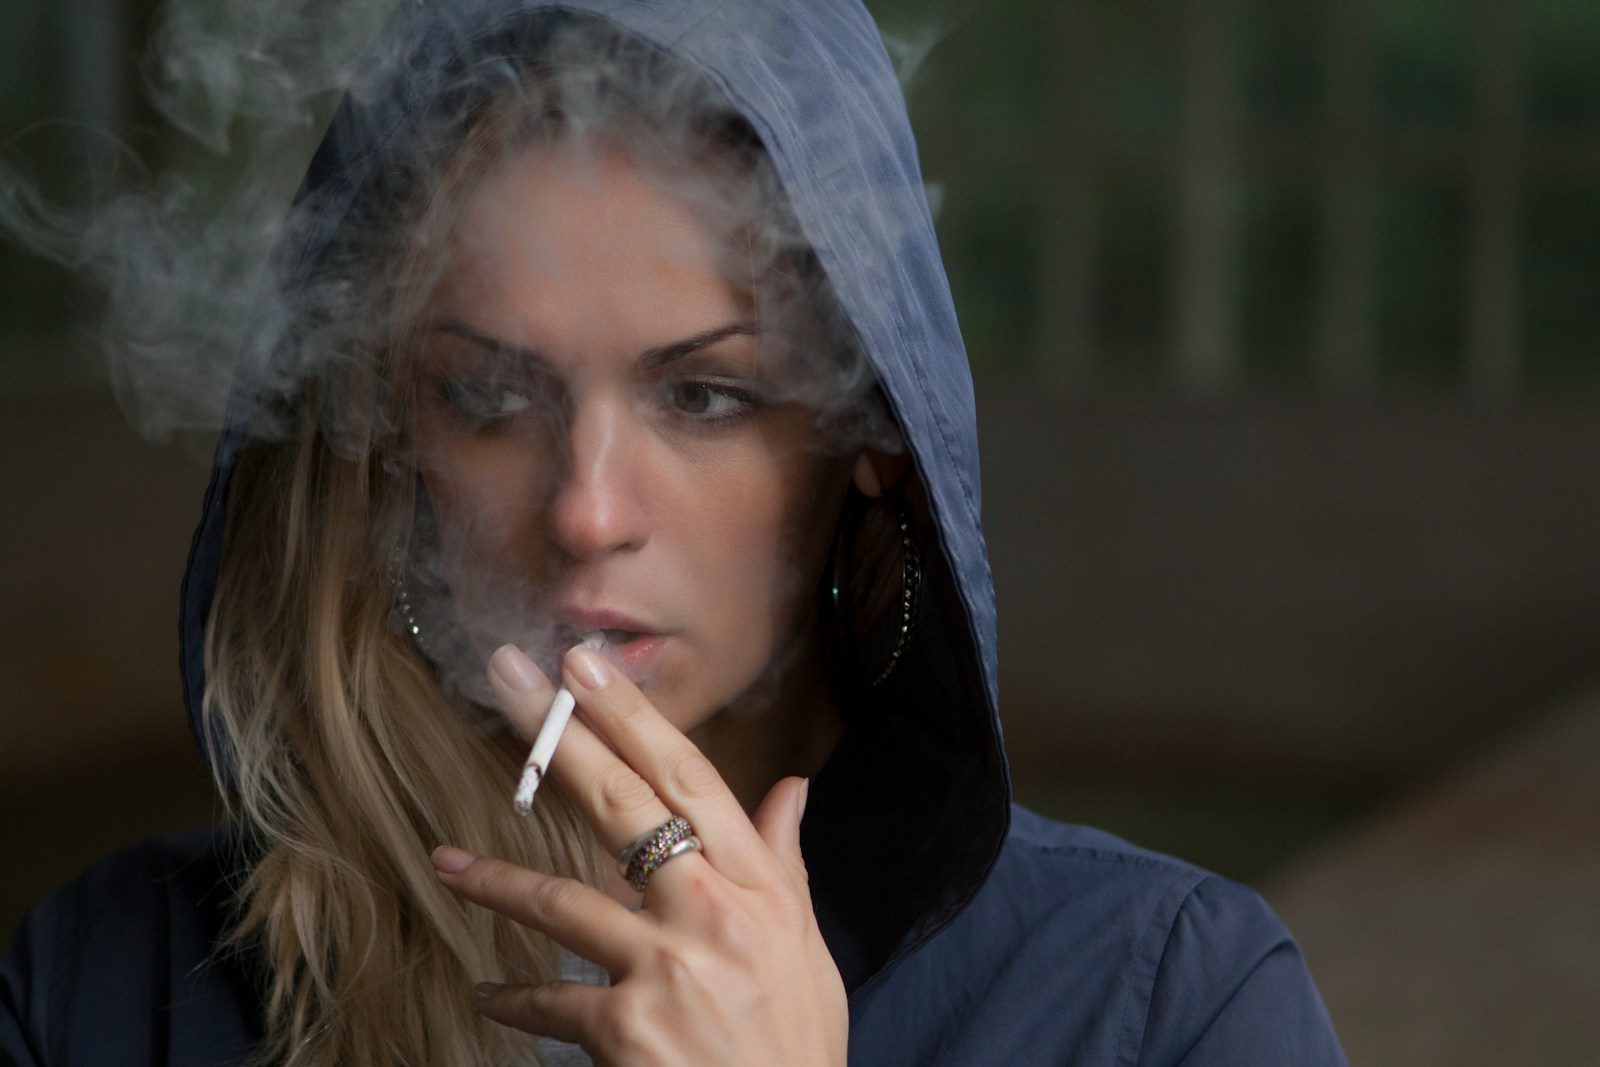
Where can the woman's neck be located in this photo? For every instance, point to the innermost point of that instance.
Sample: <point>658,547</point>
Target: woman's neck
<point>788,729</point>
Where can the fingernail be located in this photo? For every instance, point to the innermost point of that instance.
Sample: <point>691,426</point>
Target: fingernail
<point>485,990</point>
<point>589,667</point>
<point>452,860</point>
<point>515,669</point>
<point>805,795</point>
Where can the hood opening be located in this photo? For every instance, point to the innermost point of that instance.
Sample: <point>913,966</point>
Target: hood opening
<point>908,816</point>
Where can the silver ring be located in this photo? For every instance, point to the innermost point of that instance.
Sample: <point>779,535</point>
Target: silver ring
<point>646,855</point>
<point>688,844</point>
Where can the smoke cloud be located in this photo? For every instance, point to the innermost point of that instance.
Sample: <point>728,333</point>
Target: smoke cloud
<point>185,259</point>
<point>181,257</point>
<point>234,301</point>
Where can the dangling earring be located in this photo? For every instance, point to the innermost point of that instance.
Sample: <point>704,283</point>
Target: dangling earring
<point>910,587</point>
<point>405,612</point>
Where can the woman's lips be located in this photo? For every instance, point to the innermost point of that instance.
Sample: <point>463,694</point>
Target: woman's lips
<point>637,654</point>
<point>628,642</point>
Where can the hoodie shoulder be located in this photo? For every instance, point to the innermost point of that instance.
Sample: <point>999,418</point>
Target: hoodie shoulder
<point>1083,949</point>
<point>120,965</point>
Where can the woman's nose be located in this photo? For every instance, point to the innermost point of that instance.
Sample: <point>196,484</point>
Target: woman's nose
<point>596,507</point>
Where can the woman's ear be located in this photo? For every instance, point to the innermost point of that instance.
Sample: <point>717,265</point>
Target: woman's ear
<point>879,472</point>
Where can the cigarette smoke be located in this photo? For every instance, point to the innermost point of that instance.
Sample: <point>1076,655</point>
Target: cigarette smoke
<point>181,261</point>
<point>186,261</point>
<point>227,303</point>
<point>910,42</point>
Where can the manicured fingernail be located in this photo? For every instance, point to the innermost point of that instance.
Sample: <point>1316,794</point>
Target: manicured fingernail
<point>452,860</point>
<point>485,990</point>
<point>589,667</point>
<point>515,669</point>
<point>805,794</point>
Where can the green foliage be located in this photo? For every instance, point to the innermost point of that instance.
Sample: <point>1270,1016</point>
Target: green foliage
<point>1425,61</point>
<point>997,103</point>
<point>1279,261</point>
<point>1561,291</point>
<point>1419,283</point>
<point>1563,69</point>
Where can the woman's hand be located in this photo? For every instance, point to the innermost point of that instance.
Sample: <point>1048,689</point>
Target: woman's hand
<point>724,963</point>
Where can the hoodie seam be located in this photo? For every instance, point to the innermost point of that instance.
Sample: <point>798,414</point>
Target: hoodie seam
<point>1145,971</point>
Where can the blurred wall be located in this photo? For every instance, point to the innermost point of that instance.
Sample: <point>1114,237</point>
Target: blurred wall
<point>1291,597</point>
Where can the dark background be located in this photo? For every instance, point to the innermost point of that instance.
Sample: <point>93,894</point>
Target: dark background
<point>1285,320</point>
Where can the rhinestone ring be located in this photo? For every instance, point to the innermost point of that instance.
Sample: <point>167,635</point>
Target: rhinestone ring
<point>646,855</point>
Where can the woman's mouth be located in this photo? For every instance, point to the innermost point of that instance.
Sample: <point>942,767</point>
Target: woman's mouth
<point>635,651</point>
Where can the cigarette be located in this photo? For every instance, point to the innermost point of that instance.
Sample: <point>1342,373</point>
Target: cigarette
<point>544,746</point>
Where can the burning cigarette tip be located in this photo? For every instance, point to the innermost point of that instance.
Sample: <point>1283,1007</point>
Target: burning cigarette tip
<point>526,788</point>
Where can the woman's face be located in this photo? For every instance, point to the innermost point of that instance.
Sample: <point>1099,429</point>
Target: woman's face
<point>599,436</point>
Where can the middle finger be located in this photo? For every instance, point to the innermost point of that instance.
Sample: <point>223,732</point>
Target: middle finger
<point>669,765</point>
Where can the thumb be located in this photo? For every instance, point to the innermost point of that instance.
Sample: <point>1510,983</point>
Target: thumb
<point>777,820</point>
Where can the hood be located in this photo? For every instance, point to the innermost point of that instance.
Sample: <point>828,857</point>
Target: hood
<point>908,816</point>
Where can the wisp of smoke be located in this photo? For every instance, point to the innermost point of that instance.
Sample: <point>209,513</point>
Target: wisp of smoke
<point>183,265</point>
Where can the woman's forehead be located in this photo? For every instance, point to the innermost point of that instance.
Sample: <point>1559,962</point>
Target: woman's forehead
<point>566,233</point>
<point>565,195</point>
<point>579,229</point>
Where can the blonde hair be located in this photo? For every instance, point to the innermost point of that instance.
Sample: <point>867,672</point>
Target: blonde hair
<point>346,764</point>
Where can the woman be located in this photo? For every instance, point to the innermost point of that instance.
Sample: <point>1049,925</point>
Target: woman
<point>622,322</point>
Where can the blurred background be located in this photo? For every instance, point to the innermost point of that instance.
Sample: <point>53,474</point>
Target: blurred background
<point>1285,320</point>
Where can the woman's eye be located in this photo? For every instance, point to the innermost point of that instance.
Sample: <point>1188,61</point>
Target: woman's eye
<point>482,402</point>
<point>511,403</point>
<point>710,400</point>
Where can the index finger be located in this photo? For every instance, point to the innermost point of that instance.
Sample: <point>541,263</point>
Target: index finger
<point>619,804</point>
<point>525,693</point>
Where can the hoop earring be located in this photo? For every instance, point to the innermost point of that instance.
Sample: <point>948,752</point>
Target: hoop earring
<point>910,587</point>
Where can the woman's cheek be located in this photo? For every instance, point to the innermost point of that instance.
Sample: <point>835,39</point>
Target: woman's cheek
<point>485,503</point>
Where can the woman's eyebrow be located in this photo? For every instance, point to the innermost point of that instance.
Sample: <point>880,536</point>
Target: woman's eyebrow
<point>661,355</point>
<point>657,356</point>
<point>487,343</point>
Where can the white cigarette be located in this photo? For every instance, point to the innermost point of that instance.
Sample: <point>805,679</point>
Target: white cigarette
<point>544,746</point>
